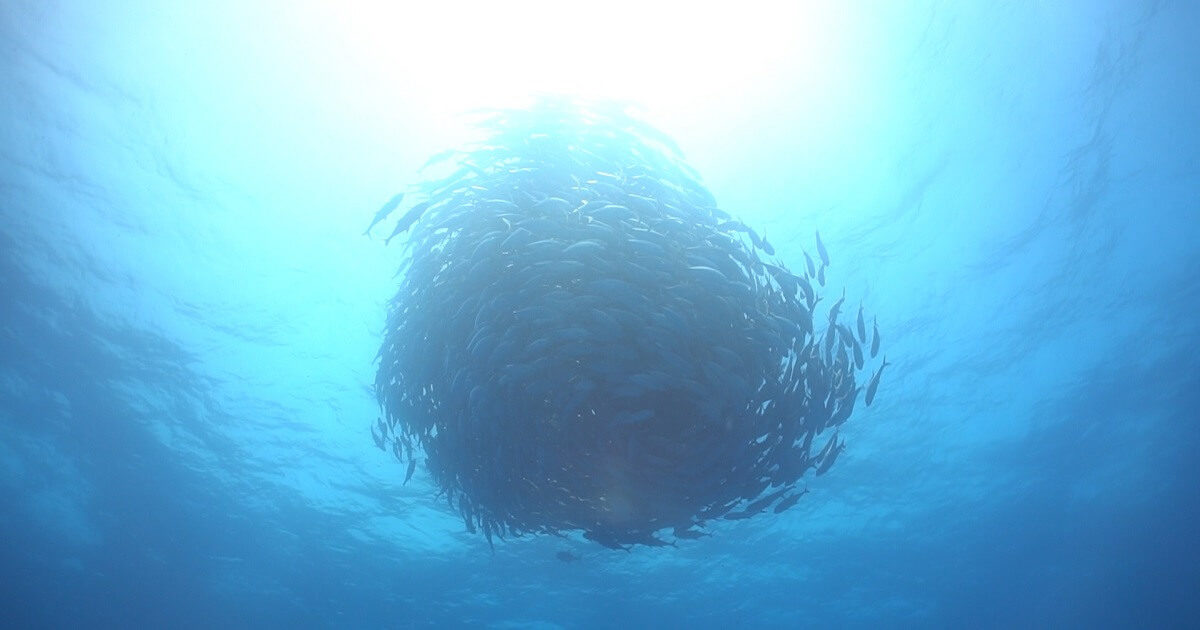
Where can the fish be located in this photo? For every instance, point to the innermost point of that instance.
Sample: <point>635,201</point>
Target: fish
<point>836,308</point>
<point>874,384</point>
<point>844,410</point>
<point>830,457</point>
<point>516,238</point>
<point>378,439</point>
<point>709,277</point>
<point>846,337</point>
<point>588,247</point>
<point>875,338</point>
<point>552,206</point>
<point>789,501</point>
<point>384,211</point>
<point>754,238</point>
<point>821,251</point>
<point>829,444</point>
<point>807,289</point>
<point>733,226</point>
<point>862,328</point>
<point>821,275</point>
<point>412,467</point>
<point>641,203</point>
<point>566,556</point>
<point>645,247</point>
<point>407,220</point>
<point>761,504</point>
<point>612,214</point>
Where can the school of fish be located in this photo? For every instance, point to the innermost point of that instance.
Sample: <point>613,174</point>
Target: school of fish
<point>582,341</point>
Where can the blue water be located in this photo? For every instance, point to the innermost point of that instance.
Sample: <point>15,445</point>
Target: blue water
<point>188,311</point>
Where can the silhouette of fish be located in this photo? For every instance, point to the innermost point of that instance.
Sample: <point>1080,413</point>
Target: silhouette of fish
<point>874,384</point>
<point>821,251</point>
<point>384,211</point>
<point>407,220</point>
<point>875,338</point>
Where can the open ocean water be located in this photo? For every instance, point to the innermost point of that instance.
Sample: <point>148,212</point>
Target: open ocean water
<point>189,313</point>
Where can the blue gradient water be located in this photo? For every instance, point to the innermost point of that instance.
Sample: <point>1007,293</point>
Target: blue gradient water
<point>188,317</point>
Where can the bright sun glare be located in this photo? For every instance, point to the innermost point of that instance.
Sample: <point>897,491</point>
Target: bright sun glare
<point>669,58</point>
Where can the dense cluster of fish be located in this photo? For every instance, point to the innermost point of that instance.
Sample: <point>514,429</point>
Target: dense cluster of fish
<point>583,341</point>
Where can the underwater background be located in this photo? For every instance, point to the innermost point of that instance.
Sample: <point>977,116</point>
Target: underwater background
<point>189,312</point>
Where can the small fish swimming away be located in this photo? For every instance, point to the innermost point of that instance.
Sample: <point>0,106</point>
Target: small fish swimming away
<point>384,211</point>
<point>875,339</point>
<point>821,251</point>
<point>575,314</point>
<point>566,556</point>
<point>874,384</point>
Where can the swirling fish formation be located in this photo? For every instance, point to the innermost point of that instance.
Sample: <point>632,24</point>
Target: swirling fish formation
<point>582,341</point>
